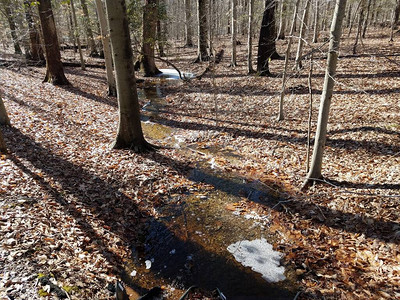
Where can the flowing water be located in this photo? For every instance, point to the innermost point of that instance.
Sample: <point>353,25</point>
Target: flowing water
<point>187,244</point>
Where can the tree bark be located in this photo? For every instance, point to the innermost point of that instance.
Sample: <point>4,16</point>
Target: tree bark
<point>281,30</point>
<point>54,68</point>
<point>303,27</point>
<point>161,28</point>
<point>397,13</point>
<point>267,40</point>
<point>326,97</point>
<point>105,39</point>
<point>234,31</point>
<point>150,16</point>
<point>35,47</point>
<point>130,134</point>
<point>88,29</point>
<point>188,24</point>
<point>359,27</point>
<point>9,14</point>
<point>202,50</point>
<point>250,69</point>
<point>4,120</point>
<point>316,22</point>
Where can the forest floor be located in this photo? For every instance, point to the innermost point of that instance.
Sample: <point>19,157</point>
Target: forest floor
<point>80,215</point>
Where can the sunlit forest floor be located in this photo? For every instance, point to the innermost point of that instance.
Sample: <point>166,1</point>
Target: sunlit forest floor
<point>83,215</point>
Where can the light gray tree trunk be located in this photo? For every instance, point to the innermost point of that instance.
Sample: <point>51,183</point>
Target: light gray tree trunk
<point>188,24</point>
<point>130,134</point>
<point>76,35</point>
<point>287,57</point>
<point>282,21</point>
<point>316,22</point>
<point>4,120</point>
<point>303,28</point>
<point>88,28</point>
<point>234,31</point>
<point>250,69</point>
<point>105,39</point>
<point>326,97</point>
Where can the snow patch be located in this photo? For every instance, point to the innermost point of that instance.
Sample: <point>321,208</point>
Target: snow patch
<point>259,255</point>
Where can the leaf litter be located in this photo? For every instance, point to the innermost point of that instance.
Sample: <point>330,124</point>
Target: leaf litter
<point>71,208</point>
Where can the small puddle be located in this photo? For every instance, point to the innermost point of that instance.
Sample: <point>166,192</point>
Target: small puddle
<point>187,243</point>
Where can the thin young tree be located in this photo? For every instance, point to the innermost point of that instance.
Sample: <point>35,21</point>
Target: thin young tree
<point>105,39</point>
<point>150,16</point>
<point>130,134</point>
<point>54,68</point>
<point>315,172</point>
<point>303,28</point>
<point>316,22</point>
<point>76,35</point>
<point>188,24</point>
<point>281,27</point>
<point>359,27</point>
<point>267,40</point>
<point>88,29</point>
<point>234,31</point>
<point>250,69</point>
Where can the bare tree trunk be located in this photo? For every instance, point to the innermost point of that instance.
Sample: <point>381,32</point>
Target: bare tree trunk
<point>130,134</point>
<point>359,27</point>
<point>397,13</point>
<point>234,31</point>
<point>315,172</point>
<point>54,68</point>
<point>188,24</point>
<point>105,39</point>
<point>287,57</point>
<point>250,69</point>
<point>10,16</point>
<point>366,21</point>
<point>4,120</point>
<point>316,22</point>
<point>267,41</point>
<point>150,16</point>
<point>76,34</point>
<point>303,27</point>
<point>281,30</point>
<point>36,50</point>
<point>203,54</point>
<point>88,29</point>
<point>161,28</point>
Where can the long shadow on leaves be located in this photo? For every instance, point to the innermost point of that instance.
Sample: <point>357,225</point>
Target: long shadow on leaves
<point>121,216</point>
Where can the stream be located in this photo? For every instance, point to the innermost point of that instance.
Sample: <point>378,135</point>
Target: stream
<point>187,244</point>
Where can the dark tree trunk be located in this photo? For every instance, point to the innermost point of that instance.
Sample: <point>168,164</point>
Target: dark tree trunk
<point>266,43</point>
<point>150,16</point>
<point>36,50</point>
<point>11,22</point>
<point>54,68</point>
<point>397,13</point>
<point>188,25</point>
<point>203,54</point>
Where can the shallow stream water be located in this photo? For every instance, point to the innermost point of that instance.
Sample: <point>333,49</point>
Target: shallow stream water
<point>187,244</point>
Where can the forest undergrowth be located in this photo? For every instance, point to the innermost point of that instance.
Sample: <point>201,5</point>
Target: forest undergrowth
<point>71,208</point>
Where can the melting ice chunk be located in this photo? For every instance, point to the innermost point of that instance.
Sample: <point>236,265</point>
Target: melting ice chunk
<point>259,255</point>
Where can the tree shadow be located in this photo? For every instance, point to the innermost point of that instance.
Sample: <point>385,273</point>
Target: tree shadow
<point>124,218</point>
<point>110,101</point>
<point>365,186</point>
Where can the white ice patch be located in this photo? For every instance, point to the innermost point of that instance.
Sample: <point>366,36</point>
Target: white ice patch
<point>259,255</point>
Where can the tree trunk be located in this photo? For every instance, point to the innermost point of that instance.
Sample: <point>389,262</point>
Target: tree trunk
<point>397,13</point>
<point>9,14</point>
<point>3,148</point>
<point>202,50</point>
<point>234,31</point>
<point>250,69</point>
<point>54,68</point>
<point>303,27</point>
<point>366,20</point>
<point>326,97</point>
<point>161,28</point>
<point>4,120</point>
<point>105,39</point>
<point>359,27</point>
<point>188,24</point>
<point>76,34</point>
<point>150,16</point>
<point>281,30</point>
<point>266,43</point>
<point>281,116</point>
<point>130,134</point>
<point>88,29</point>
<point>316,22</point>
<point>36,50</point>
